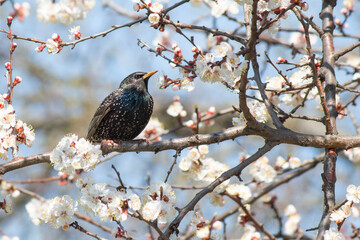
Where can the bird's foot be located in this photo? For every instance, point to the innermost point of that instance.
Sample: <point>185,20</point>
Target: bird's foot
<point>107,144</point>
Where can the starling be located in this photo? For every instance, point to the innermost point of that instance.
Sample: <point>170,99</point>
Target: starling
<point>125,112</point>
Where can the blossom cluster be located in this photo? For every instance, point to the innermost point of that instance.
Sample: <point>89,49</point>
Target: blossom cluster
<point>210,69</point>
<point>8,194</point>
<point>349,208</point>
<point>219,7</point>
<point>205,229</point>
<point>333,234</point>
<point>13,132</point>
<point>63,11</point>
<point>177,110</point>
<point>267,9</point>
<point>57,212</point>
<point>159,203</point>
<point>106,203</point>
<point>197,119</point>
<point>154,10</point>
<point>262,171</point>
<point>198,167</point>
<point>73,154</point>
<point>257,110</point>
<point>353,154</point>
<point>75,33</point>
<point>291,162</point>
<point>300,79</point>
<point>21,11</point>
<point>53,45</point>
<point>293,220</point>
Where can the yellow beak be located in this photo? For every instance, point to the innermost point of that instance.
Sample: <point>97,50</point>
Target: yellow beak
<point>149,74</point>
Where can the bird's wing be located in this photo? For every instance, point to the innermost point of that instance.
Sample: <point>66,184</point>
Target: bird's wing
<point>101,112</point>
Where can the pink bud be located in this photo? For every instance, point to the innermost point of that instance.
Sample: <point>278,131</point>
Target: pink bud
<point>40,48</point>
<point>9,20</point>
<point>7,66</point>
<point>77,35</point>
<point>6,97</point>
<point>13,46</point>
<point>344,11</point>
<point>56,37</point>
<point>304,6</point>
<point>17,80</point>
<point>281,60</point>
<point>177,51</point>
<point>337,22</point>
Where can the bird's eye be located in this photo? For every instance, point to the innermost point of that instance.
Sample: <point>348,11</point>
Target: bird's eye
<point>138,76</point>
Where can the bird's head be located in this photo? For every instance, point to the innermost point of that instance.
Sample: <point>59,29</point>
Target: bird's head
<point>137,79</point>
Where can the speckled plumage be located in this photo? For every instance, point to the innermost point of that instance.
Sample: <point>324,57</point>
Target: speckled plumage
<point>125,112</point>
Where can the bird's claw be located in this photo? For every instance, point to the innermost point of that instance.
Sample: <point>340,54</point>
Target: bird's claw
<point>106,144</point>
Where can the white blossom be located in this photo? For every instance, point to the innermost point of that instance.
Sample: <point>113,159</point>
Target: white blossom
<point>338,215</point>
<point>250,233</point>
<point>74,154</point>
<point>159,203</point>
<point>13,131</point>
<point>7,188</point>
<point>154,18</point>
<point>93,199</point>
<point>281,163</point>
<point>294,162</point>
<point>156,7</point>
<point>176,108</point>
<point>292,223</point>
<point>262,171</point>
<point>8,204</point>
<point>187,83</point>
<point>353,193</point>
<point>123,203</point>
<point>353,154</point>
<point>59,211</point>
<point>239,190</point>
<point>333,234</point>
<point>52,46</point>
<point>203,149</point>
<point>34,208</point>
<point>222,50</point>
<point>74,33</point>
<point>221,6</point>
<point>63,11</point>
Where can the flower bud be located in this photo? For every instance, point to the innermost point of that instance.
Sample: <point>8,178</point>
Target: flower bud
<point>6,97</point>
<point>17,80</point>
<point>7,66</point>
<point>9,20</point>
<point>13,46</point>
<point>40,48</point>
<point>281,60</point>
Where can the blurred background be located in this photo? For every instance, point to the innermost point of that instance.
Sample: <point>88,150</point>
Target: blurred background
<point>60,93</point>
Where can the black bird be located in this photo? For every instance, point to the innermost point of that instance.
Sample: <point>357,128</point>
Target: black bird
<point>125,112</point>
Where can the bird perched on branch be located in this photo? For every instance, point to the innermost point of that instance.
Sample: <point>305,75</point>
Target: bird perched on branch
<point>125,112</point>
